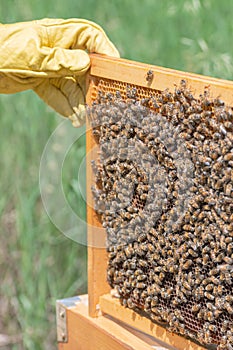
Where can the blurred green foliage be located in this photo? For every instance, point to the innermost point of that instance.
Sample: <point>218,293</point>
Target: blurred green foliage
<point>37,263</point>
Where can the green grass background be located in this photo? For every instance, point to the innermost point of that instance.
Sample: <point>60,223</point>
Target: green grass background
<point>37,263</point>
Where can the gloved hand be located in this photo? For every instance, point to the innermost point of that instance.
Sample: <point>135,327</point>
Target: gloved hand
<point>50,56</point>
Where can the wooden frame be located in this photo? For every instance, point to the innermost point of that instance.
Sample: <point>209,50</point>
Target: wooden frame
<point>88,333</point>
<point>133,73</point>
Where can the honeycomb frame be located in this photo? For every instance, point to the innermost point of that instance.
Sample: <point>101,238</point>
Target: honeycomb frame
<point>110,75</point>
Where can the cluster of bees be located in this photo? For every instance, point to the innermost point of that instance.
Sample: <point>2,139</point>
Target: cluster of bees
<point>164,192</point>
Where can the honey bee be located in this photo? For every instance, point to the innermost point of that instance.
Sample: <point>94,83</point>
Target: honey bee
<point>144,294</point>
<point>219,290</point>
<point>224,325</point>
<point>230,339</point>
<point>229,156</point>
<point>130,303</point>
<point>157,269</point>
<point>229,298</point>
<point>153,290</point>
<point>201,336</point>
<point>143,196</point>
<point>187,264</point>
<point>147,305</point>
<point>138,272</point>
<point>161,276</point>
<point>124,302</point>
<point>140,251</point>
<point>150,248</point>
<point>209,296</point>
<point>154,301</point>
<point>199,293</point>
<point>205,259</point>
<point>149,76</point>
<point>212,328</point>
<point>227,278</point>
<point>217,313</point>
<point>141,278</point>
<point>187,285</point>
<point>219,302</point>
<point>228,260</point>
<point>206,249</point>
<point>140,285</point>
<point>228,125</point>
<point>132,209</point>
<point>136,294</point>
<point>129,274</point>
<point>209,287</point>
<point>195,308</point>
<point>143,263</point>
<point>201,314</point>
<point>155,257</point>
<point>219,257</point>
<point>210,316</point>
<point>129,251</point>
<point>192,253</point>
<point>223,130</point>
<point>142,237</point>
<point>127,285</point>
<point>228,308</point>
<point>112,255</point>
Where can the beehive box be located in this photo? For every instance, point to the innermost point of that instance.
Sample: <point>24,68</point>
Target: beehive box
<point>160,228</point>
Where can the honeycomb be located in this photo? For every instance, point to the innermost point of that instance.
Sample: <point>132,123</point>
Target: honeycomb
<point>164,193</point>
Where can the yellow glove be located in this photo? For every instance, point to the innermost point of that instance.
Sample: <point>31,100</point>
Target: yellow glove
<point>50,56</point>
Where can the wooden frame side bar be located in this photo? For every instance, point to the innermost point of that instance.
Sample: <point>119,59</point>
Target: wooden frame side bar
<point>97,256</point>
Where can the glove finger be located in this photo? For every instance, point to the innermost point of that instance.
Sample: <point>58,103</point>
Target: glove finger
<point>65,96</point>
<point>78,34</point>
<point>63,62</point>
<point>94,39</point>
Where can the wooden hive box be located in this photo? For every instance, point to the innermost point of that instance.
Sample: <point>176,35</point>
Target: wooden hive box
<point>109,75</point>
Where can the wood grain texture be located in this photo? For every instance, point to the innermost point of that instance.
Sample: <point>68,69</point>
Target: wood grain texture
<point>87,333</point>
<point>135,73</point>
<point>97,256</point>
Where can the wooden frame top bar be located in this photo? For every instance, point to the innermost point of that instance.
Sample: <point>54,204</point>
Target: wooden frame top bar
<point>135,73</point>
